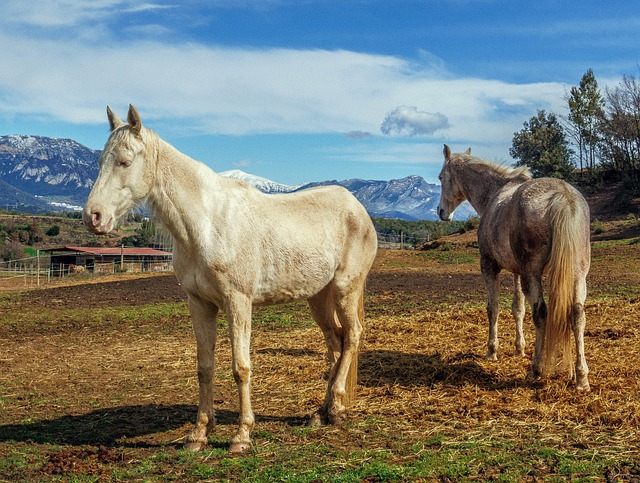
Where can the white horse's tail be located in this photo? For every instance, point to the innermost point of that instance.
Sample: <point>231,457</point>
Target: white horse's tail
<point>565,247</point>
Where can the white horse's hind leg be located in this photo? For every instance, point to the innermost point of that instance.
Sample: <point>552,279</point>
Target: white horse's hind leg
<point>239,316</point>
<point>518,310</point>
<point>204,322</point>
<point>323,311</point>
<point>348,313</point>
<point>579,322</point>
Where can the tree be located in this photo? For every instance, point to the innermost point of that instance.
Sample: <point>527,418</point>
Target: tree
<point>542,146</point>
<point>586,108</point>
<point>621,129</point>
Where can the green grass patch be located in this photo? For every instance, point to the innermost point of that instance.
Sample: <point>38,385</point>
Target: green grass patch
<point>448,256</point>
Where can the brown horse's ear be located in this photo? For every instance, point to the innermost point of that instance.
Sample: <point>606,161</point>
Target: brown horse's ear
<point>114,121</point>
<point>447,152</point>
<point>468,151</point>
<point>135,124</point>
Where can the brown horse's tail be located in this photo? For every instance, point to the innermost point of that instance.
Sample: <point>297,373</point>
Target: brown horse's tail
<point>565,246</point>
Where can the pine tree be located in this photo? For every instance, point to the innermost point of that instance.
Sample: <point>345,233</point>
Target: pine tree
<point>586,108</point>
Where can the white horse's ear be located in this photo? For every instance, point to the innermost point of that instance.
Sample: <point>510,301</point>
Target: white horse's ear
<point>468,151</point>
<point>114,121</point>
<point>447,152</point>
<point>135,124</point>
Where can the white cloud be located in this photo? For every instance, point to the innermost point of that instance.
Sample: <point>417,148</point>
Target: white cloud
<point>408,120</point>
<point>237,91</point>
<point>63,13</point>
<point>195,88</point>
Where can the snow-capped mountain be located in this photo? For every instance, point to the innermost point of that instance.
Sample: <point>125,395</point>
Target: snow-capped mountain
<point>45,174</point>
<point>263,184</point>
<point>44,168</point>
<point>410,198</point>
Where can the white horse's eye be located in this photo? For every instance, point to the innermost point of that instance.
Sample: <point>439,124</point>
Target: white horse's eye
<point>124,162</point>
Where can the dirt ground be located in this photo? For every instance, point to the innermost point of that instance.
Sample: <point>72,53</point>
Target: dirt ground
<point>112,386</point>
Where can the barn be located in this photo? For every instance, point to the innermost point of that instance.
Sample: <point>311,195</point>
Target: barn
<point>64,260</point>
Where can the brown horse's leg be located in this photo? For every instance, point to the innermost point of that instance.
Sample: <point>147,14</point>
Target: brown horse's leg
<point>532,288</point>
<point>204,322</point>
<point>518,310</point>
<point>490,272</point>
<point>579,322</point>
<point>239,316</point>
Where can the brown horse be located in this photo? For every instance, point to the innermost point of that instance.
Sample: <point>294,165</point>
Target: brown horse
<point>529,227</point>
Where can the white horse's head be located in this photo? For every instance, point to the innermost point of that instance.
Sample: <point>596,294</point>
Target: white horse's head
<point>451,194</point>
<point>125,176</point>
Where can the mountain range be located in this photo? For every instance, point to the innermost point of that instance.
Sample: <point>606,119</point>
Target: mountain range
<point>39,174</point>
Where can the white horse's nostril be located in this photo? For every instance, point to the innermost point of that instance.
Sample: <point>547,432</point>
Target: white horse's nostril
<point>96,218</point>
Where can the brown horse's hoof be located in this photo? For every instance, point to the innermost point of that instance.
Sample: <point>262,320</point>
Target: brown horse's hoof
<point>239,447</point>
<point>583,386</point>
<point>532,376</point>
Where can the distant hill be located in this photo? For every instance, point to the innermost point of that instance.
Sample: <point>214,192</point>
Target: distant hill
<point>39,174</point>
<point>36,171</point>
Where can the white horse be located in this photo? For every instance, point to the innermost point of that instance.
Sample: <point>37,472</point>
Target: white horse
<point>235,247</point>
<point>529,227</point>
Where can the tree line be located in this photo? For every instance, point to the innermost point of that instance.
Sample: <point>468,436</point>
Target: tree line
<point>599,139</point>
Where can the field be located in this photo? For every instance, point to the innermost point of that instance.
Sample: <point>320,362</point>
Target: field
<point>98,383</point>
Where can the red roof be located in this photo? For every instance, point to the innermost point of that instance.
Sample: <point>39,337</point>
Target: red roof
<point>131,251</point>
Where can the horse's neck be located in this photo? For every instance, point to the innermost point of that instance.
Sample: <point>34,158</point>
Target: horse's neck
<point>482,185</point>
<point>176,199</point>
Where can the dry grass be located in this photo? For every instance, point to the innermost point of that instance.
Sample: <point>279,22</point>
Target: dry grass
<point>126,379</point>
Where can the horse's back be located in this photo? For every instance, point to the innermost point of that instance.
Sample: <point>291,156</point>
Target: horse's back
<point>281,247</point>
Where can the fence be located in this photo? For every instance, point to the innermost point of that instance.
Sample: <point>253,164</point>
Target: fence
<point>32,272</point>
<point>401,241</point>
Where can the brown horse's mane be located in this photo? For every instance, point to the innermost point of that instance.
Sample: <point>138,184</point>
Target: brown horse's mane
<point>500,169</point>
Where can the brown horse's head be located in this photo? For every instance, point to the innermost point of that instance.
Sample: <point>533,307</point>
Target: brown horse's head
<point>125,176</point>
<point>451,194</point>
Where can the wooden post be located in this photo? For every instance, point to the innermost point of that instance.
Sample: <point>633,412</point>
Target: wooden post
<point>38,268</point>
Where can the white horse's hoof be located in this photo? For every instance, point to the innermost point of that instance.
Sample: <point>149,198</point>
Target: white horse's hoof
<point>240,447</point>
<point>316,420</point>
<point>194,446</point>
<point>491,356</point>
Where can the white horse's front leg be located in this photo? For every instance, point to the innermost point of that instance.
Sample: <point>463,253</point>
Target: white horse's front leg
<point>518,311</point>
<point>203,315</point>
<point>239,317</point>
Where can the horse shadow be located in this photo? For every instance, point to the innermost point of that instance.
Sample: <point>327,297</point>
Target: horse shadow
<point>119,426</point>
<point>382,367</point>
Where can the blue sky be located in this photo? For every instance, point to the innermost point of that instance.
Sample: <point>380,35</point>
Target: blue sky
<point>299,91</point>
